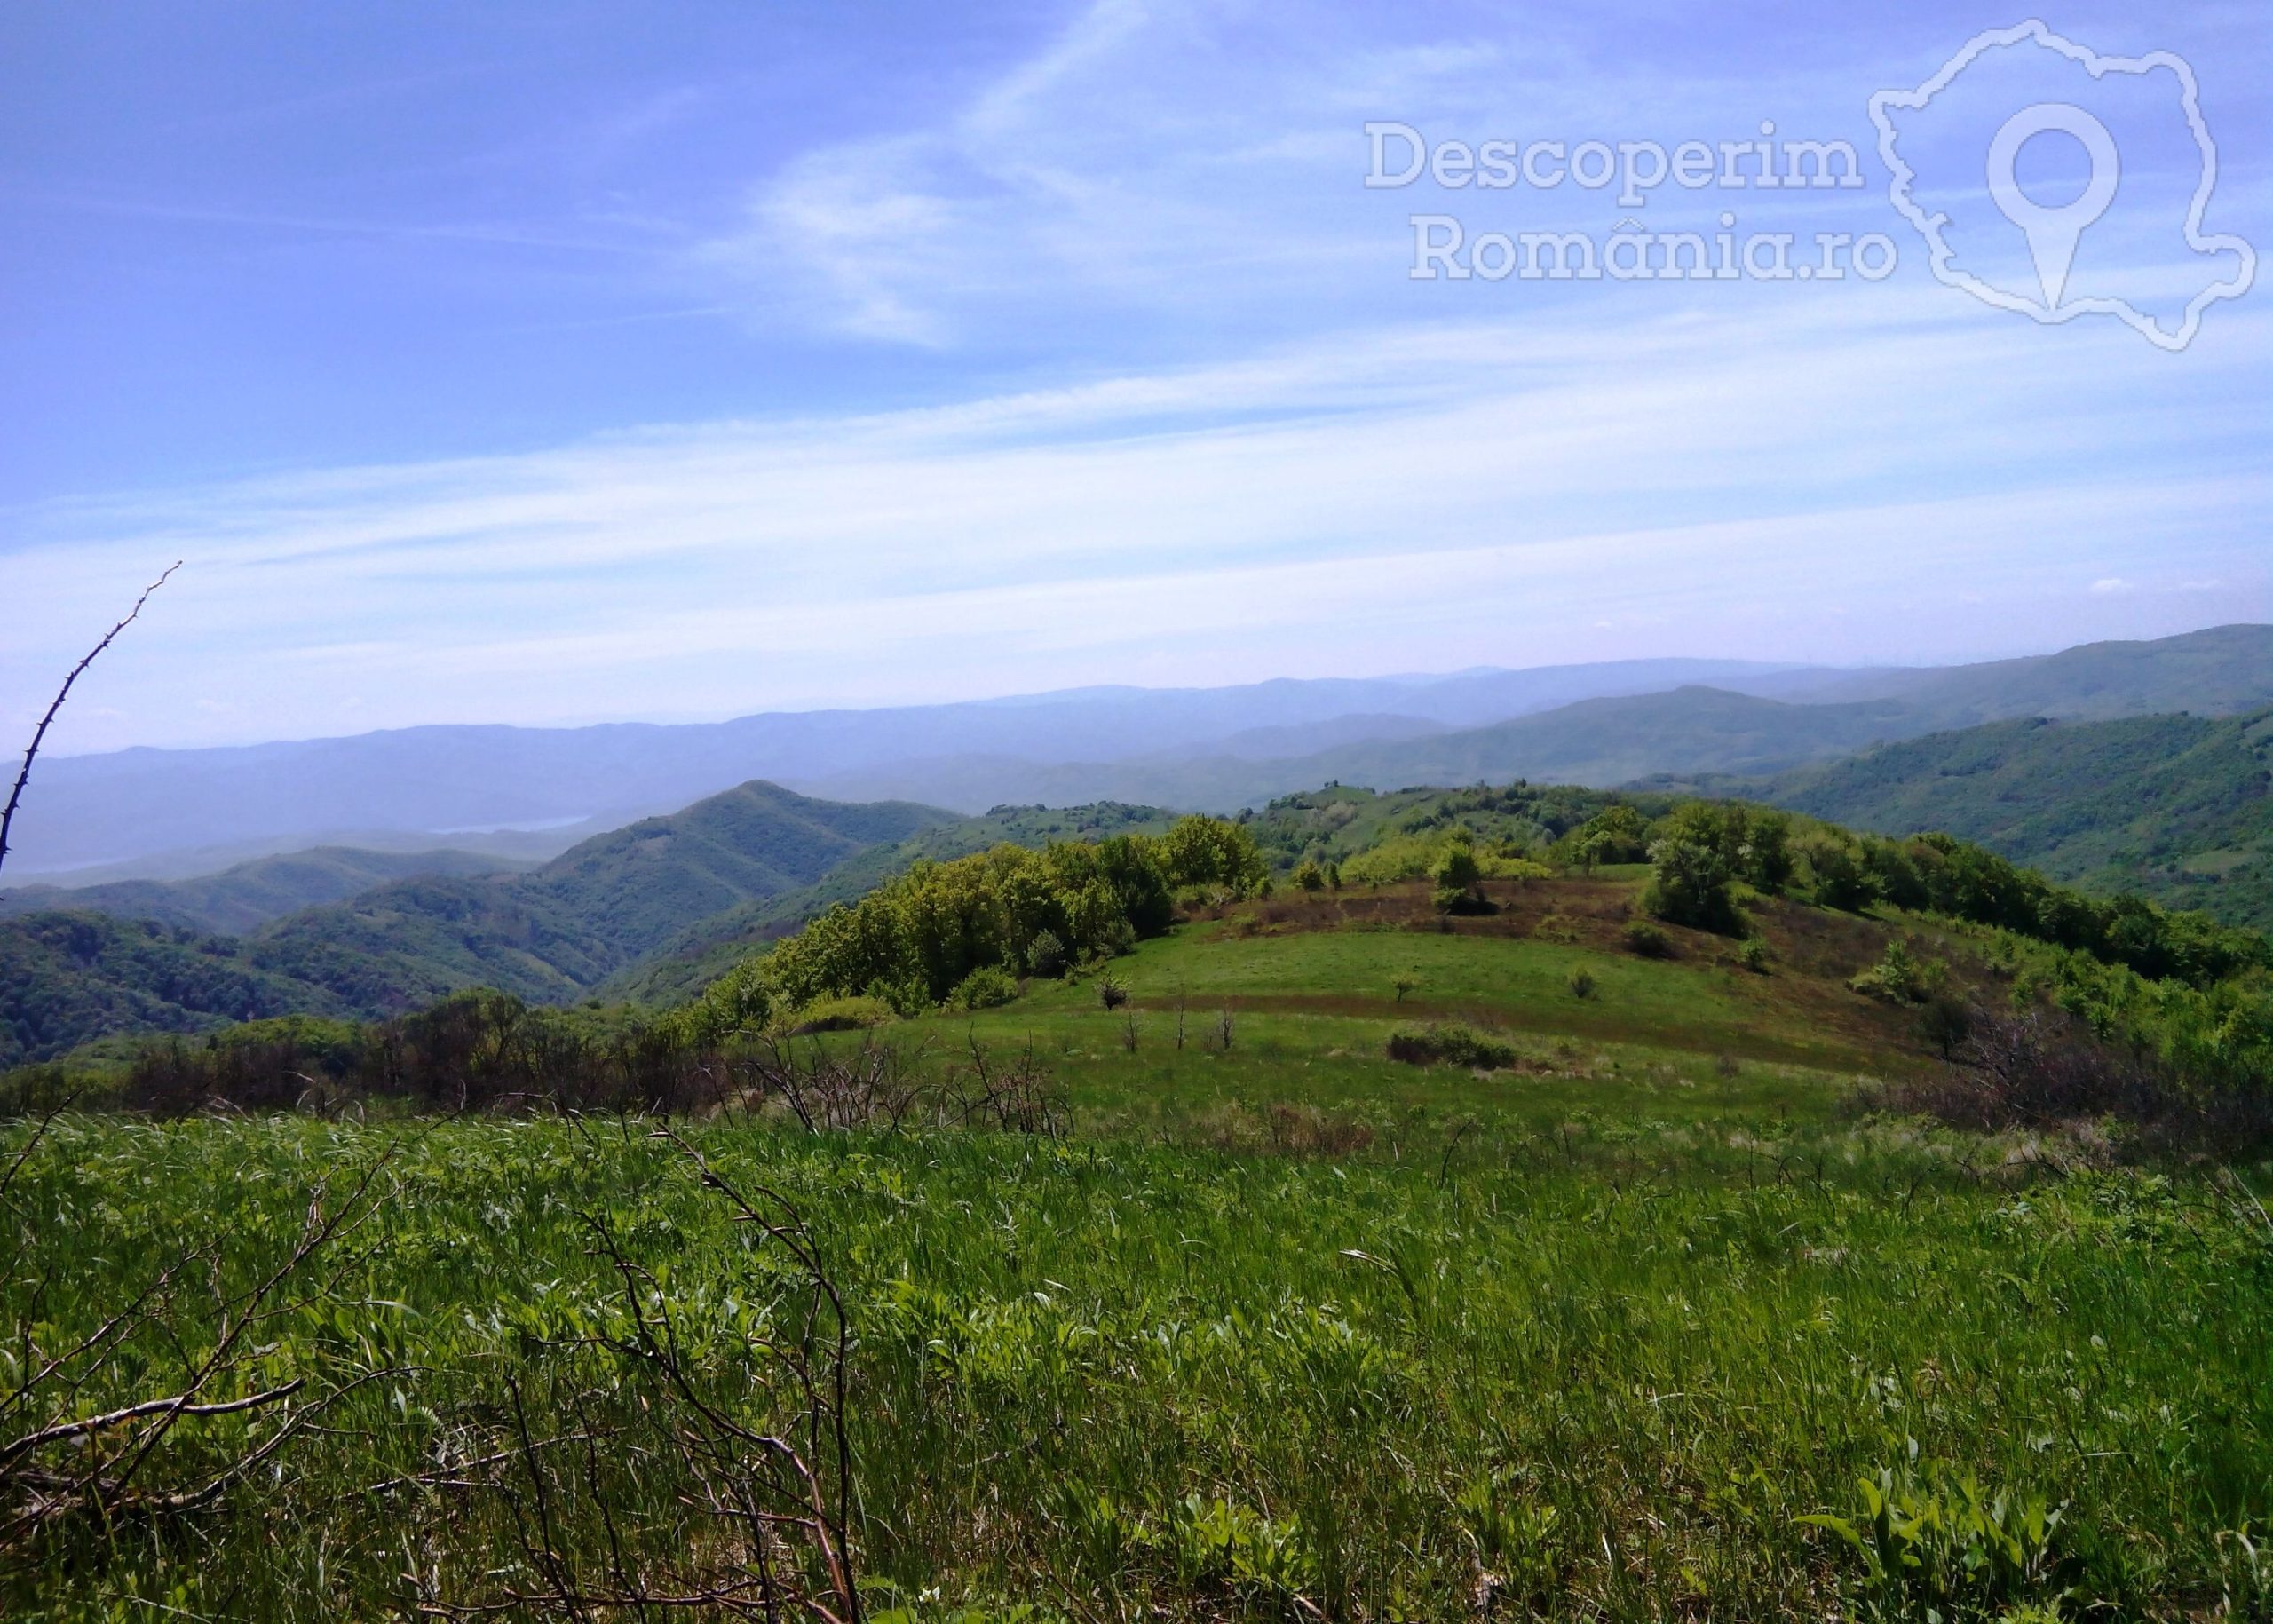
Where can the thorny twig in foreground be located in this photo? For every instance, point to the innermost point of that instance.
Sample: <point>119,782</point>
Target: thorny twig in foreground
<point>54,1464</point>
<point>24,772</point>
<point>784,1481</point>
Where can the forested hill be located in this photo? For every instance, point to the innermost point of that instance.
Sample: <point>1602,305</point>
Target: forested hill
<point>691,958</point>
<point>2177,807</point>
<point>248,895</point>
<point>550,935</point>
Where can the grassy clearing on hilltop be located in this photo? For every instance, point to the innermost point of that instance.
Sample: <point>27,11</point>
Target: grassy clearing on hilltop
<point>1162,1287</point>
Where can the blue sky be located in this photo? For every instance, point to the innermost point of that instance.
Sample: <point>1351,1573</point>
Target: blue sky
<point>562,364</point>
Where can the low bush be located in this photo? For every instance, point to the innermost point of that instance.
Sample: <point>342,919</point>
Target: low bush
<point>2044,1068</point>
<point>1450,1043</point>
<point>987,987</point>
<point>1557,927</point>
<point>1581,984</point>
<point>840,1015</point>
<point>1902,976</point>
<point>1645,940</point>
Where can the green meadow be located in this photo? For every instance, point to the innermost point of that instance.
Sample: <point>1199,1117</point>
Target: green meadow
<point>1657,1320</point>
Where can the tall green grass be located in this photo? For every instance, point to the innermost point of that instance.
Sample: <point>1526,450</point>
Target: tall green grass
<point>1622,1369</point>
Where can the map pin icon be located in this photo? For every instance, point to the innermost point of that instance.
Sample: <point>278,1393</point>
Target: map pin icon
<point>2053,233</point>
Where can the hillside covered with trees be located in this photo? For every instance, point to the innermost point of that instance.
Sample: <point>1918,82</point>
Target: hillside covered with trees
<point>551,935</point>
<point>2179,808</point>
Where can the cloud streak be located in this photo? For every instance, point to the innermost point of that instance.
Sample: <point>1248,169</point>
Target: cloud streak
<point>1773,480</point>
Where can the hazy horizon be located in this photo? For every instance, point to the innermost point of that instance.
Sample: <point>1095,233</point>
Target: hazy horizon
<point>1415,677</point>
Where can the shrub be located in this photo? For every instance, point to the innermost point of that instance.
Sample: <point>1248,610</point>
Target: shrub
<point>1902,976</point>
<point>1841,880</point>
<point>1613,836</point>
<point>1457,875</point>
<point>987,987</point>
<point>1046,956</point>
<point>1308,876</point>
<point>1403,983</point>
<point>1690,886</point>
<point>1202,852</point>
<point>1581,984</point>
<point>841,1015</point>
<point>1450,1043</point>
<point>2043,1067</point>
<point>1111,993</point>
<point>1945,1023</point>
<point>1457,868</point>
<point>1753,954</point>
<point>1646,940</point>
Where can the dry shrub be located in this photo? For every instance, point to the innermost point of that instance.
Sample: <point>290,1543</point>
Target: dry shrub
<point>1450,1043</point>
<point>1282,1128</point>
<point>2045,1069</point>
<point>1307,1130</point>
<point>1559,927</point>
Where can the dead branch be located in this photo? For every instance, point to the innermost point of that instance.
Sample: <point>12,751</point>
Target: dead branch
<point>39,735</point>
<point>782,1477</point>
<point>109,1452</point>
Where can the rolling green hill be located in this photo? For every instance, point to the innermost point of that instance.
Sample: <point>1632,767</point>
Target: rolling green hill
<point>1581,1233</point>
<point>248,895</point>
<point>699,953</point>
<point>550,936</point>
<point>2177,807</point>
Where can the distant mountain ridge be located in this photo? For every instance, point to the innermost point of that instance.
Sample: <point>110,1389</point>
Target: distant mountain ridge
<point>129,809</point>
<point>1214,749</point>
<point>1685,731</point>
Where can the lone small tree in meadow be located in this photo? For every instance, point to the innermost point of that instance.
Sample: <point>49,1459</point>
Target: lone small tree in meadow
<point>1458,877</point>
<point>1690,886</point>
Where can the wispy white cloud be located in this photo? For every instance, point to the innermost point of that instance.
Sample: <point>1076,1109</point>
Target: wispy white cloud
<point>1430,497</point>
<point>1204,162</point>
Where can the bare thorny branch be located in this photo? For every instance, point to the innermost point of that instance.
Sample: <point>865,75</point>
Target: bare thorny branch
<point>785,1481</point>
<point>39,735</point>
<point>102,1457</point>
